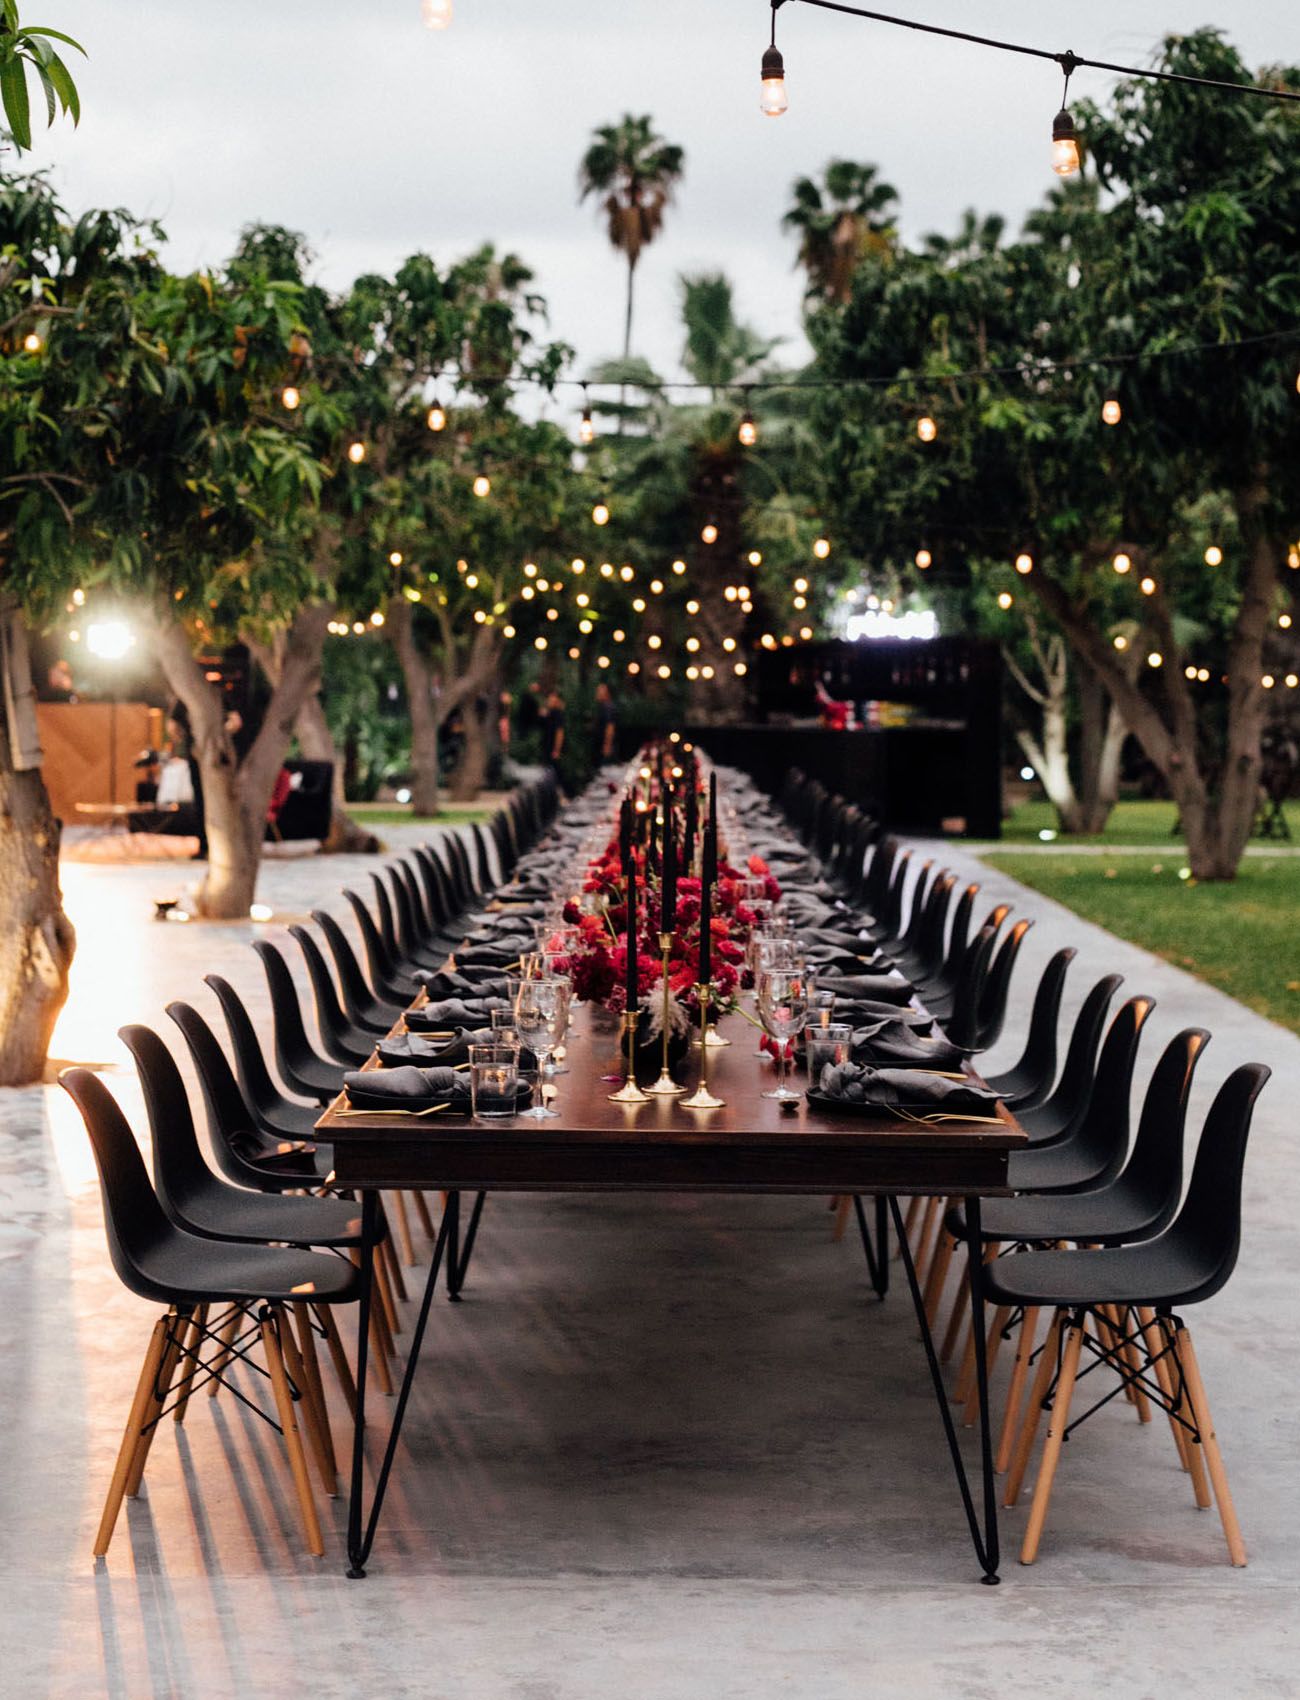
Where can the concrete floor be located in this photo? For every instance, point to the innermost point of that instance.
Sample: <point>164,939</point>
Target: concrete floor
<point>666,1448</point>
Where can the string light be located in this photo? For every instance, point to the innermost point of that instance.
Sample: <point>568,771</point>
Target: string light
<point>578,566</point>
<point>1122,563</point>
<point>773,100</point>
<point>585,627</point>
<point>926,429</point>
<point>509,631</point>
<point>482,486</point>
<point>1214,556</point>
<point>1268,681</point>
<point>634,667</point>
<point>586,429</point>
<point>582,599</point>
<point>358,626</point>
<point>539,643</point>
<point>602,661</point>
<point>619,635</point>
<point>1292,680</point>
<point>1111,411</point>
<point>801,586</point>
<point>755,557</point>
<point>729,643</point>
<point>606,569</point>
<point>1065,139</point>
<point>747,607</point>
<point>692,607</point>
<point>600,514</point>
<point>664,670</point>
<point>655,641</point>
<point>1148,587</point>
<point>706,672</point>
<point>1155,659</point>
<point>436,14</point>
<point>638,604</point>
<point>1005,599</point>
<point>693,644</point>
<point>730,592</point>
<point>800,603</point>
<point>1189,673</point>
<point>436,419</point>
<point>1284,620</point>
<point>395,558</point>
<point>748,432</point>
<point>627,574</point>
<point>679,567</point>
<point>924,559</point>
<point>1120,641</point>
<point>692,673</point>
<point>709,534</point>
<point>33,342</point>
<point>290,398</point>
<point>656,587</point>
<point>1203,675</point>
<point>356,452</point>
<point>740,669</point>
<point>1024,565</point>
<point>822,548</point>
<point>805,632</point>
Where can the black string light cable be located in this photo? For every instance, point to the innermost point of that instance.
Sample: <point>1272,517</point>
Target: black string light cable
<point>1065,147</point>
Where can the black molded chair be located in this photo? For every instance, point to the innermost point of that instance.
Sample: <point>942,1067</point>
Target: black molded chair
<point>1061,1114</point>
<point>366,1011</point>
<point>1029,1081</point>
<point>344,1041</point>
<point>1122,1301</point>
<point>192,1276</point>
<point>276,1115</point>
<point>977,1023</point>
<point>391,983</point>
<point>302,1068</point>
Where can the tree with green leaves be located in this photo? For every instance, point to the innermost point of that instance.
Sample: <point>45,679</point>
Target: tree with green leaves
<point>633,173</point>
<point>850,215</point>
<point>30,48</point>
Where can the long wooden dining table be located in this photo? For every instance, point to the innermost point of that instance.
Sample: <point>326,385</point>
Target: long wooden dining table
<point>751,1144</point>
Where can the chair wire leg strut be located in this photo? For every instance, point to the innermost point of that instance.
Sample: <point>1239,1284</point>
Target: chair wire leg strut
<point>361,1540</point>
<point>985,1537</point>
<point>877,1248</point>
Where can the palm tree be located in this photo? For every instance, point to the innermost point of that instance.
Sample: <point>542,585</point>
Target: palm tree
<point>719,350</point>
<point>840,220</point>
<point>634,172</point>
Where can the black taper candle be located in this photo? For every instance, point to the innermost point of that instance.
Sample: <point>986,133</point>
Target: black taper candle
<point>706,933</point>
<point>630,977</point>
<point>668,904</point>
<point>625,833</point>
<point>691,820</point>
<point>710,871</point>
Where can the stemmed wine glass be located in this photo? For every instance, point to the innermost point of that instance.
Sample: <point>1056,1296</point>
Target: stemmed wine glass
<point>537,1011</point>
<point>783,1004</point>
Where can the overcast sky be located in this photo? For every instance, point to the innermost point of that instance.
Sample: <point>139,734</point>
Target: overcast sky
<point>350,122</point>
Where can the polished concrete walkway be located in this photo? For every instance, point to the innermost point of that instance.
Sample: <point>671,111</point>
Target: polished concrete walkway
<point>666,1449</point>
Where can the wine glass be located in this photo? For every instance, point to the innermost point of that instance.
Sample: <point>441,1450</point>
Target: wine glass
<point>564,1002</point>
<point>783,1005</point>
<point>536,1015</point>
<point>766,951</point>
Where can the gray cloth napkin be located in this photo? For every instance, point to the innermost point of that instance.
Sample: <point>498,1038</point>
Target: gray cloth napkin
<point>894,1088</point>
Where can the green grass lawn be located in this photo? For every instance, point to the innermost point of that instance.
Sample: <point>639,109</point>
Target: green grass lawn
<point>1130,823</point>
<point>1242,937</point>
<point>394,814</point>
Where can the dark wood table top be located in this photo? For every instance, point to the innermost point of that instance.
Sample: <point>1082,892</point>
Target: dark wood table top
<point>751,1144</point>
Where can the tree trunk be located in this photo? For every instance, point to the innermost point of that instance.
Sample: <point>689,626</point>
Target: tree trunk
<point>236,794</point>
<point>627,319</point>
<point>470,774</point>
<point>36,937</point>
<point>316,742</point>
<point>1049,755</point>
<point>418,676</point>
<point>1101,740</point>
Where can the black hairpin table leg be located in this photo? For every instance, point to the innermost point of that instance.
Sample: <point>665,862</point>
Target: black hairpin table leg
<point>361,1530</point>
<point>984,1533</point>
<point>458,1256</point>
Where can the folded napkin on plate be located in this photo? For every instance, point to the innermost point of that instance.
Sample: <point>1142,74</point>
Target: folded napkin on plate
<point>413,1089</point>
<point>446,1013</point>
<point>879,988</point>
<point>894,1088</point>
<point>886,1042</point>
<point>450,983</point>
<point>404,1049</point>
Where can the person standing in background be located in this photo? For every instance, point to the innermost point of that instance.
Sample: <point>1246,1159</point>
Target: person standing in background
<point>604,730</point>
<point>553,729</point>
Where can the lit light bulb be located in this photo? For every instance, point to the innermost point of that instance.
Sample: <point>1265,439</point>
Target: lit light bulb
<point>926,429</point>
<point>436,14</point>
<point>709,534</point>
<point>539,643</point>
<point>377,618</point>
<point>755,558</point>
<point>33,342</point>
<point>582,599</point>
<point>627,574</point>
<point>482,486</point>
<point>1065,144</point>
<point>607,569</point>
<point>578,566</point>
<point>1024,565</point>
<point>358,627</point>
<point>692,673</point>
<point>805,632</point>
<point>728,643</point>
<point>437,418</point>
<point>79,601</point>
<point>706,672</point>
<point>801,586</point>
<point>395,559</point>
<point>1268,681</point>
<point>1203,675</point>
<point>1122,564</point>
<point>655,641</point>
<point>634,667</point>
<point>923,559</point>
<point>740,669</point>
<point>664,670</point>
<point>800,602</point>
<point>1148,587</point>
<point>1005,599</point>
<point>1283,620</point>
<point>1155,659</point>
<point>1189,673</point>
<point>530,569</point>
<point>1214,556</point>
<point>586,430</point>
<point>656,587</point>
<point>822,548</point>
<point>585,627</point>
<point>693,644</point>
<point>638,604</point>
<point>1111,411</point>
<point>290,398</point>
<point>602,661</point>
<point>1121,642</point>
<point>774,100</point>
<point>509,631</point>
<point>679,567</point>
<point>1292,680</point>
<point>693,607</point>
<point>600,514</point>
<point>748,432</point>
<point>730,592</point>
<point>619,635</point>
<point>356,453</point>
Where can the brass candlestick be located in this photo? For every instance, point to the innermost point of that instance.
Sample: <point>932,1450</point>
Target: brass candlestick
<point>665,1086</point>
<point>702,1098</point>
<point>629,1092</point>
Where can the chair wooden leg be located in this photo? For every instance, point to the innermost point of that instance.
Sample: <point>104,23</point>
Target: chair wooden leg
<point>966,1375</point>
<point>1033,1412</point>
<point>1155,1351</point>
<point>131,1435</point>
<point>381,1343</point>
<point>1209,1445</point>
<point>914,1206</point>
<point>843,1204</point>
<point>1060,1421</point>
<point>342,1368</point>
<point>997,1327</point>
<point>960,1305</point>
<point>193,1346</point>
<point>922,1252</point>
<point>396,1280</point>
<point>403,1222</point>
<point>292,1438</point>
<point>940,1263</point>
<point>306,1339</point>
<point>422,1211</point>
<point>1016,1389</point>
<point>161,1388</point>
<point>1133,1364</point>
<point>224,1356</point>
<point>387,1275</point>
<point>306,1405</point>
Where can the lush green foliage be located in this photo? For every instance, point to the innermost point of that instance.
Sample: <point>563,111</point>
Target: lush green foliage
<point>31,47</point>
